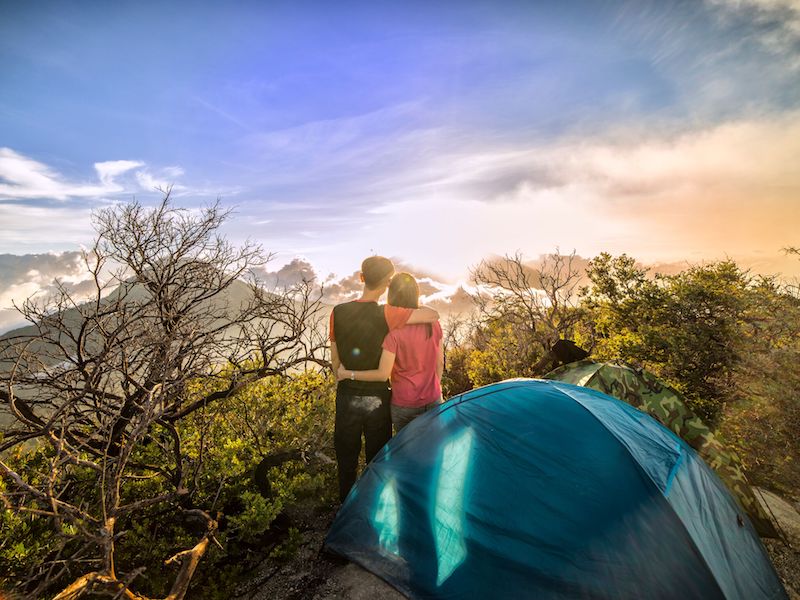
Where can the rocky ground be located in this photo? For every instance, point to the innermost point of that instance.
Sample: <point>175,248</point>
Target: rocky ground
<point>313,575</point>
<point>785,553</point>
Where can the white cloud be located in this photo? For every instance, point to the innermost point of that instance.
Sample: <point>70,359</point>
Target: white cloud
<point>108,170</point>
<point>23,178</point>
<point>792,7</point>
<point>325,147</point>
<point>727,189</point>
<point>33,228</point>
<point>290,274</point>
<point>163,180</point>
<point>173,172</point>
<point>615,163</point>
<point>24,276</point>
<point>37,268</point>
<point>778,23</point>
<point>150,183</point>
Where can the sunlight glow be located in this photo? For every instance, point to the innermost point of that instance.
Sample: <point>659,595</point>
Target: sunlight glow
<point>449,515</point>
<point>387,518</point>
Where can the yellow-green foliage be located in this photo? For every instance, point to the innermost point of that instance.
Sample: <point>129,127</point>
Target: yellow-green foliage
<point>24,538</point>
<point>290,418</point>
<point>456,378</point>
<point>288,548</point>
<point>23,541</point>
<point>763,419</point>
<point>274,414</point>
<point>690,329</point>
<point>501,351</point>
<point>257,515</point>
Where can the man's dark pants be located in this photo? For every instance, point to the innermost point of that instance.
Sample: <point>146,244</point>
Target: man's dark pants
<point>359,413</point>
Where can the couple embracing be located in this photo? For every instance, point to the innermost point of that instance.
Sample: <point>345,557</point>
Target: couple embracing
<point>373,345</point>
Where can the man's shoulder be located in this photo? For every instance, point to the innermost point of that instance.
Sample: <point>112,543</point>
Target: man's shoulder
<point>357,307</point>
<point>360,303</point>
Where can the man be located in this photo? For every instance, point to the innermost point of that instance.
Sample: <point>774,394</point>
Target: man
<point>357,330</point>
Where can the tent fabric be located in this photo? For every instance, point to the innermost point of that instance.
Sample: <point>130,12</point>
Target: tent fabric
<point>643,390</point>
<point>540,489</point>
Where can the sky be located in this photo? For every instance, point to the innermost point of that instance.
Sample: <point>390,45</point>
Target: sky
<point>439,133</point>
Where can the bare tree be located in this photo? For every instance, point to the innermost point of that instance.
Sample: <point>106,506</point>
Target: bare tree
<point>173,303</point>
<point>456,329</point>
<point>794,287</point>
<point>537,306</point>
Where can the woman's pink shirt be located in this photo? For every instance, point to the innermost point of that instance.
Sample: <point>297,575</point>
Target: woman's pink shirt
<point>414,381</point>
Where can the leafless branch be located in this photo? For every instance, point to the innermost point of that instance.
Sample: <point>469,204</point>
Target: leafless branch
<point>537,303</point>
<point>173,303</point>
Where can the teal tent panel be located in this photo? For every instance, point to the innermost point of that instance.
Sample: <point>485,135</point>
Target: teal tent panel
<point>532,489</point>
<point>722,532</point>
<point>657,450</point>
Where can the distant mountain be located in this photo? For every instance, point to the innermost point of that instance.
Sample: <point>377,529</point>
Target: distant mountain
<point>226,304</point>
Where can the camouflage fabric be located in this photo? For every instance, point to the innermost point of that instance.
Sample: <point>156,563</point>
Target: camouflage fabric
<point>644,391</point>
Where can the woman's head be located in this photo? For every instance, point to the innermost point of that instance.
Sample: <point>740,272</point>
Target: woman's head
<point>403,291</point>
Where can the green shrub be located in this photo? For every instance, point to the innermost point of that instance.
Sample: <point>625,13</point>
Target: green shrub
<point>285,419</point>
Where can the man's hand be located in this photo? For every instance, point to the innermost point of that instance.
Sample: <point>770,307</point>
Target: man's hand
<point>423,314</point>
<point>342,373</point>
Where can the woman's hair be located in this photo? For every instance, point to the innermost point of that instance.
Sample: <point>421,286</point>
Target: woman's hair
<point>404,292</point>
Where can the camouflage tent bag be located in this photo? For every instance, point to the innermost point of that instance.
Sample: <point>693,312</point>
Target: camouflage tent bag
<point>644,391</point>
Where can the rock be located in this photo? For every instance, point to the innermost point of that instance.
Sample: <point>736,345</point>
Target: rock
<point>785,555</point>
<point>787,517</point>
<point>354,583</point>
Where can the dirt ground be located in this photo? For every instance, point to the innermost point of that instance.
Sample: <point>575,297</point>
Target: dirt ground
<point>313,575</point>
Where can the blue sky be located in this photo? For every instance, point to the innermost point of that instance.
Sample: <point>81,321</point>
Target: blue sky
<point>437,132</point>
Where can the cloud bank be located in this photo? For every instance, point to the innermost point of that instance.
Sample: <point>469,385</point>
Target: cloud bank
<point>24,276</point>
<point>731,188</point>
<point>28,275</point>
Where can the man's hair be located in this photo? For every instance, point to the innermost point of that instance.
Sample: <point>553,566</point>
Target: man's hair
<point>376,270</point>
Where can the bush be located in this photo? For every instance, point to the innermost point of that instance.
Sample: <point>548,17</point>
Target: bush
<point>224,444</point>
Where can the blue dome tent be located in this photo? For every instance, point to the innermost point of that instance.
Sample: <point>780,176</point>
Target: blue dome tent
<point>540,489</point>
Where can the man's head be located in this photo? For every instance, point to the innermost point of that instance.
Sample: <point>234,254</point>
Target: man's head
<point>376,271</point>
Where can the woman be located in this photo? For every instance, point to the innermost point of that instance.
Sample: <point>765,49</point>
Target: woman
<point>412,359</point>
